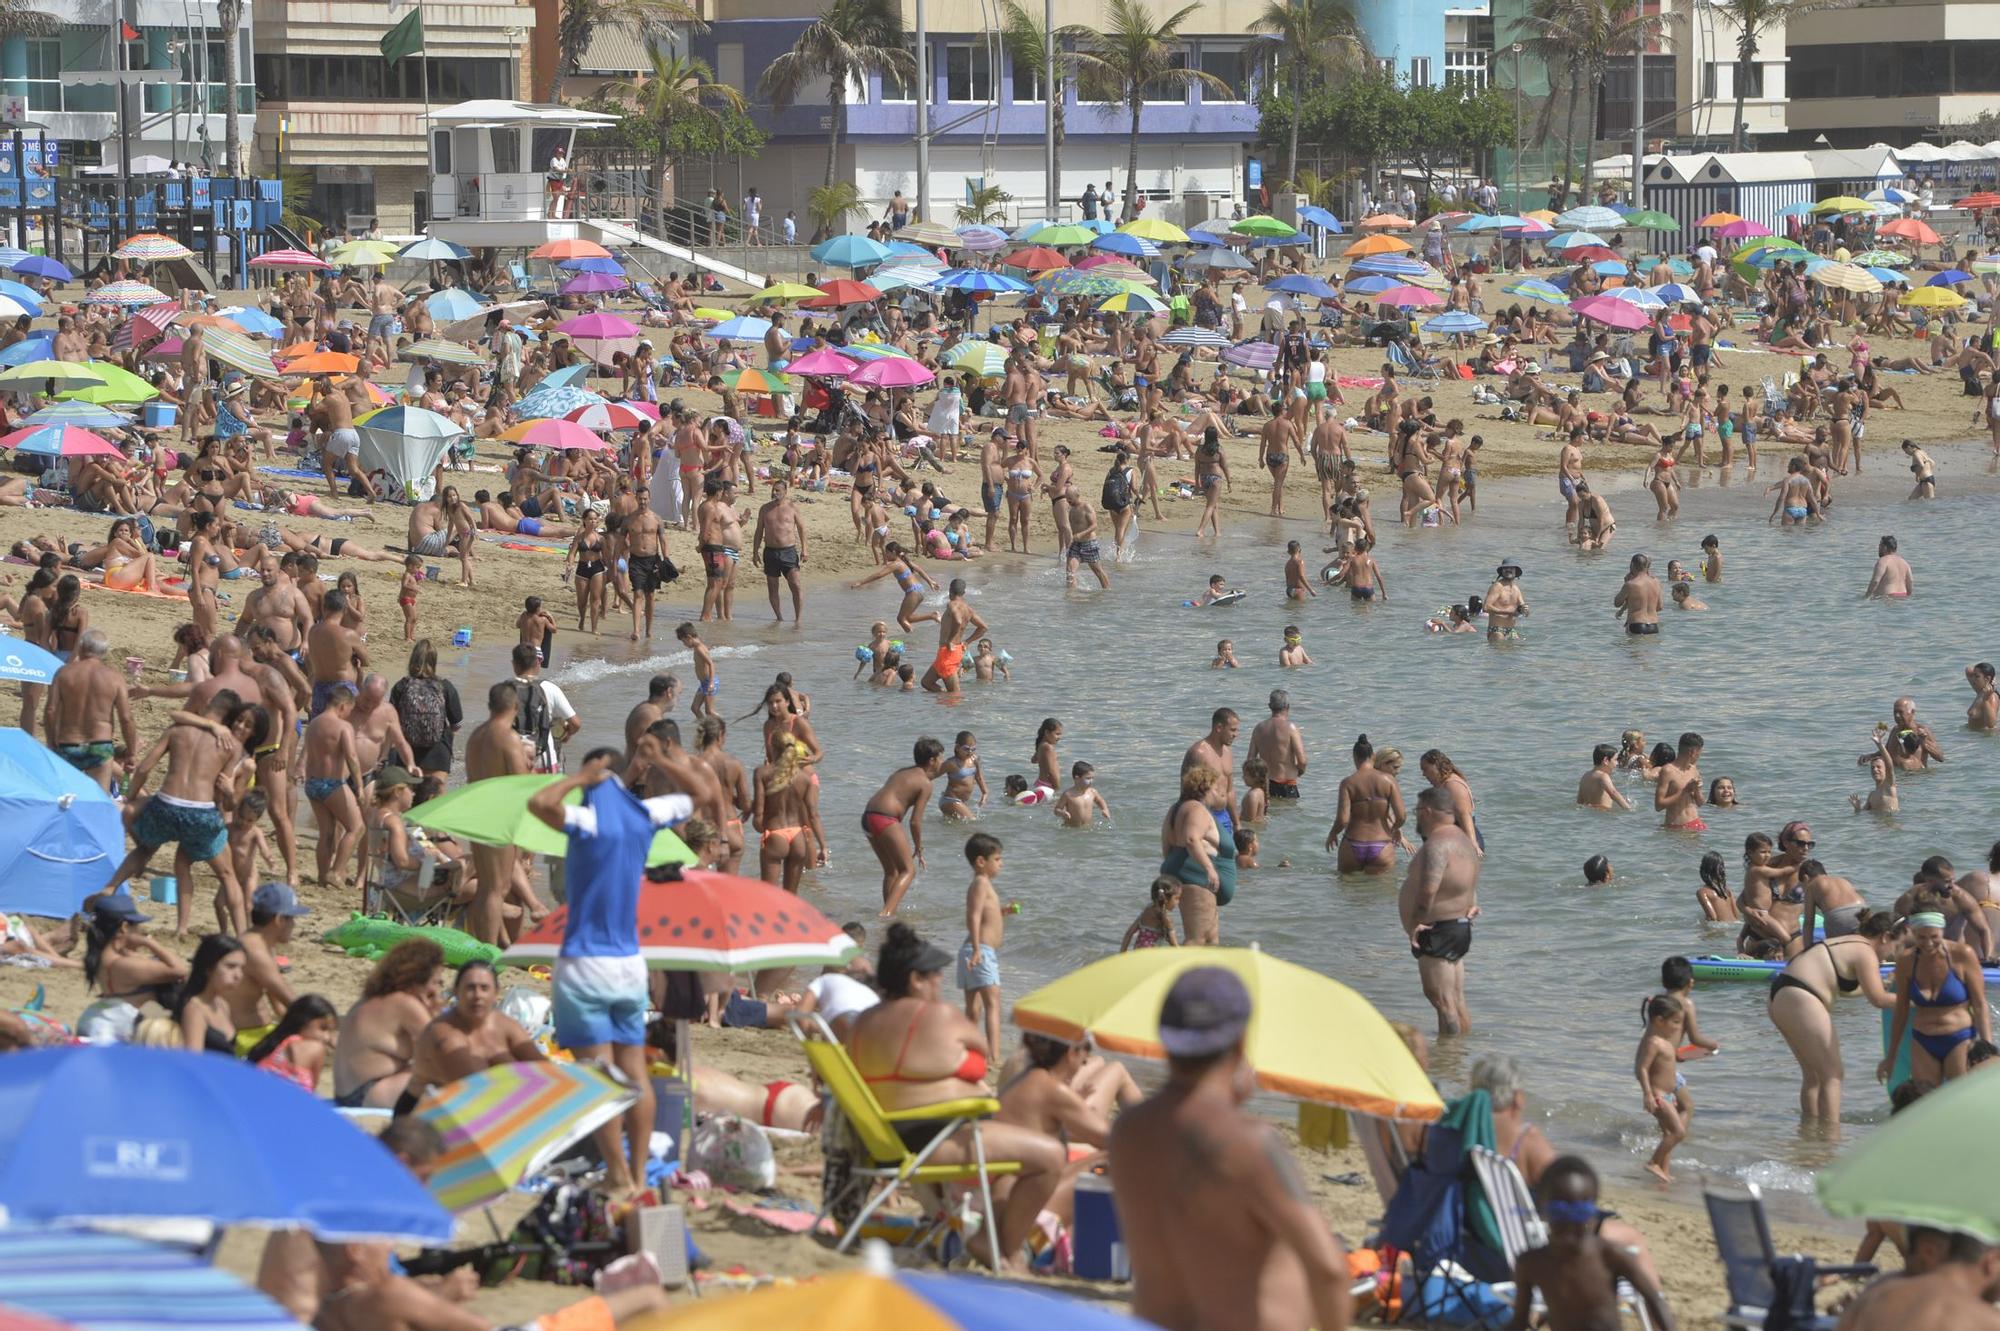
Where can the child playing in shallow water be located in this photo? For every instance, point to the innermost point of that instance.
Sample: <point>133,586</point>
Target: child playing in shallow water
<point>987,662</point>
<point>1155,925</point>
<point>1246,848</point>
<point>1662,1090</point>
<point>1713,894</point>
<point>1293,653</point>
<point>1577,1272</point>
<point>1256,801</point>
<point>1225,656</point>
<point>1677,981</point>
<point>1080,804</point>
<point>538,627</point>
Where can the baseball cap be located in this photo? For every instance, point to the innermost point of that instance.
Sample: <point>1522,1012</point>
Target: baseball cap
<point>1206,1012</point>
<point>392,776</point>
<point>120,906</point>
<point>277,899</point>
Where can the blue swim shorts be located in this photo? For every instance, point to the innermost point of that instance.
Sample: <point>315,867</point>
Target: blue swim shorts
<point>197,829</point>
<point>599,1000</point>
<point>978,972</point>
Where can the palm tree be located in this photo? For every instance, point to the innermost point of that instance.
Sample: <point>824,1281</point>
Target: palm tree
<point>677,90</point>
<point>848,41</point>
<point>987,206</point>
<point>229,19</point>
<point>1133,54</point>
<point>1754,18</point>
<point>1580,37</point>
<point>579,17</point>
<point>1557,31</point>
<point>829,206</point>
<point>1028,44</point>
<point>1314,39</point>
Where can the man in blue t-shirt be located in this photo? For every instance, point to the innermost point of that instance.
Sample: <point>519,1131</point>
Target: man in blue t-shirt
<point>599,992</point>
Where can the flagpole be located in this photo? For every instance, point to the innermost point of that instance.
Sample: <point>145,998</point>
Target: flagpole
<point>424,51</point>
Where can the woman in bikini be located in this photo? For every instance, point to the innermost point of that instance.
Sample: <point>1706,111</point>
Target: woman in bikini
<point>904,794</point>
<point>961,775</point>
<point>472,1036</point>
<point>206,1022</point>
<point>781,801</point>
<point>1801,1006</point>
<point>1023,473</point>
<point>126,968</point>
<point>1440,771</point>
<point>1941,980</point>
<point>586,563</point>
<point>1061,476</point>
<point>911,578</point>
<point>1048,766</point>
<point>378,1037</point>
<point>68,620</point>
<point>1368,823</point>
<point>1195,850</point>
<point>914,1049</point>
<point>1660,479</point>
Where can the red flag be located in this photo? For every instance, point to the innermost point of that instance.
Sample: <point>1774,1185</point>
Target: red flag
<point>127,31</point>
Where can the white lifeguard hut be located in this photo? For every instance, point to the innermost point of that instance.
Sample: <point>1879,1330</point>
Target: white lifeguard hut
<point>500,179</point>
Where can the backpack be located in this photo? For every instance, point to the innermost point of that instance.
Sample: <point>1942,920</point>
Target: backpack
<point>423,713</point>
<point>1117,488</point>
<point>531,716</point>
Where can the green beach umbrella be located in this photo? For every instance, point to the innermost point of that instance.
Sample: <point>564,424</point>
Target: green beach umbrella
<point>495,812</point>
<point>120,386</point>
<point>1648,219</point>
<point>1916,1168</point>
<point>1067,234</point>
<point>1261,225</point>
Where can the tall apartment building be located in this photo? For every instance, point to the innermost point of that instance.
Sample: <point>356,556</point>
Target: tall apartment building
<point>1890,70</point>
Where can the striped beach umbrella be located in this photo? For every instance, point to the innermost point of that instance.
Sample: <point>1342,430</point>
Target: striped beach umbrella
<point>981,239</point>
<point>546,403</point>
<point>288,259</point>
<point>405,422</point>
<point>1389,265</point>
<point>507,1123</point>
<point>982,358</point>
<point>23,295</point>
<point>932,234</point>
<point>978,279</point>
<point>903,274</point>
<point>1252,355</point>
<point>10,255</point>
<point>1192,335</point>
<point>34,375</point>
<point>86,415</point>
<point>754,380</point>
<point>127,292</point>
<point>850,252</point>
<point>443,352</point>
<point>151,247</point>
<point>1122,242</point>
<point>1644,297</point>
<point>607,416</point>
<point>93,1281</point>
<point>1590,217</point>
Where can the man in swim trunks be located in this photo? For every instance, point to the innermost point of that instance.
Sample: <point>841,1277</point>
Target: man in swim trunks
<point>1216,751</point>
<point>1504,602</point>
<point>335,653</point>
<point>341,443</point>
<point>646,551</point>
<point>720,530</point>
<point>1084,550</point>
<point>992,479</point>
<point>1638,599</point>
<point>1283,749</point>
<point>333,780</point>
<point>1892,572</point>
<point>959,626</point>
<point>278,605</point>
<point>184,811</point>
<point>1437,904</point>
<point>1678,790</point>
<point>1569,470</point>
<point>86,698</point>
<point>778,542</point>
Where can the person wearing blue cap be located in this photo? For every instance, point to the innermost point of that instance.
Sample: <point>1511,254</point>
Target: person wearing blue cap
<point>274,910</point>
<point>1218,1223</point>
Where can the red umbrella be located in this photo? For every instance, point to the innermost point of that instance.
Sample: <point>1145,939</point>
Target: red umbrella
<point>1909,228</point>
<point>841,291</point>
<point>1589,254</point>
<point>1983,199</point>
<point>1035,259</point>
<point>712,922</point>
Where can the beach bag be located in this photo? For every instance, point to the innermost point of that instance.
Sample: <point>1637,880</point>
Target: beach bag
<point>423,713</point>
<point>1117,491</point>
<point>734,1153</point>
<point>531,716</point>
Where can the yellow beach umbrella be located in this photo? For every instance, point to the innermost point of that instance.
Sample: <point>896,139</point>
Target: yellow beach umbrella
<point>1156,229</point>
<point>1116,1002</point>
<point>1842,203</point>
<point>1541,215</point>
<point>788,291</point>
<point>1933,298</point>
<point>1847,277</point>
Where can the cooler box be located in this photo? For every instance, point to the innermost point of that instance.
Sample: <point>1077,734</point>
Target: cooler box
<point>159,415</point>
<point>673,1110</point>
<point>1098,1250</point>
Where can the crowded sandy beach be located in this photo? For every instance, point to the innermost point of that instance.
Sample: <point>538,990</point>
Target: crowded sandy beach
<point>1105,710</point>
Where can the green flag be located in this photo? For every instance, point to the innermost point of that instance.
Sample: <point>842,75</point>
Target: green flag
<point>406,38</point>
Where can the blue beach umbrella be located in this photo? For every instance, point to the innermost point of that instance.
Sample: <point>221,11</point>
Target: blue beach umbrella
<point>1028,229</point>
<point>1369,286</point>
<point>22,294</point>
<point>1885,275</point>
<point>1643,297</point>
<point>743,328</point>
<point>1574,240</point>
<point>84,415</point>
<point>593,263</point>
<point>453,304</point>
<point>1795,210</point>
<point>1455,321</point>
<point>1494,222</point>
<point>1302,284</point>
<point>11,255</point>
<point>570,376</point>
<point>1267,242</point>
<point>217,1140</point>
<point>1949,277</point>
<point>1206,238</point>
<point>1674,293</point>
<point>36,346</point>
<point>36,265</point>
<point>1609,268</point>
<point>433,248</point>
<point>254,322</point>
<point>1117,242</point>
<point>1320,217</point>
<point>1590,217</point>
<point>850,252</point>
<point>978,279</point>
<point>545,402</point>
<point>1389,265</point>
<point>1888,194</point>
<point>60,835</point>
<point>108,1282</point>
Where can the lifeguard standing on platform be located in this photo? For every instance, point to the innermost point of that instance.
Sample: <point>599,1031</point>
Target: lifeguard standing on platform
<point>559,183</point>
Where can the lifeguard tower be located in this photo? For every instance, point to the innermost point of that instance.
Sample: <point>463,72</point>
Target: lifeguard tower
<point>499,180</point>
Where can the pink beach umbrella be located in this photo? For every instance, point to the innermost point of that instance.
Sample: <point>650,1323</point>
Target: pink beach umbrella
<point>165,349</point>
<point>288,259</point>
<point>592,283</point>
<point>893,372</point>
<point>67,441</point>
<point>1741,230</point>
<point>1408,296</point>
<point>1612,313</point>
<point>598,326</point>
<point>824,362</point>
<point>556,433</point>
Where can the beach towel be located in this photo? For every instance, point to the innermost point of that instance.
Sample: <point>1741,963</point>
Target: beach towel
<point>296,473</point>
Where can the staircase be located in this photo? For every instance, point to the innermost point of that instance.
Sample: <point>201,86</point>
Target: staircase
<point>619,234</point>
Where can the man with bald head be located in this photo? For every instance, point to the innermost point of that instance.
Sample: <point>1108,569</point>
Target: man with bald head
<point>378,727</point>
<point>226,657</point>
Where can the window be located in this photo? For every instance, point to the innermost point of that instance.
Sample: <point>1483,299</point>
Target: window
<point>968,72</point>
<point>1712,80</point>
<point>1168,91</point>
<point>1387,65</point>
<point>301,78</point>
<point>1027,80</point>
<point>897,88</point>
<point>1420,71</point>
<point>43,73</point>
<point>1465,69</point>
<point>1230,64</point>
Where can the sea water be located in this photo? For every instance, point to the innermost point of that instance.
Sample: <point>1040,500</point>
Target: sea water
<point>1785,678</point>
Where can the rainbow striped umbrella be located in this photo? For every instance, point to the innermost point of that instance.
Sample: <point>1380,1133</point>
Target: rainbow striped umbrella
<point>83,1281</point>
<point>508,1122</point>
<point>126,293</point>
<point>443,352</point>
<point>151,247</point>
<point>238,352</point>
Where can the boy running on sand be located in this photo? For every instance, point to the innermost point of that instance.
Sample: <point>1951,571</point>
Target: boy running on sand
<point>1662,1089</point>
<point>705,681</point>
<point>979,955</point>
<point>1080,804</point>
<point>406,595</point>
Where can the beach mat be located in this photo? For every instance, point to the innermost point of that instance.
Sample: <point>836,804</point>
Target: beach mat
<point>295,473</point>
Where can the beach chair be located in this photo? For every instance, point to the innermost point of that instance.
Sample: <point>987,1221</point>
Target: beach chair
<point>1766,1292</point>
<point>1410,365</point>
<point>889,1162</point>
<point>524,284</point>
<point>1521,1225</point>
<point>427,901</point>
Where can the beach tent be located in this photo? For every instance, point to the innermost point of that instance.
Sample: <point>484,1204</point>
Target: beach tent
<point>402,448</point>
<point>60,835</point>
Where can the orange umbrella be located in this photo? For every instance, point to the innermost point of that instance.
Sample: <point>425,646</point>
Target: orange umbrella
<point>323,362</point>
<point>1035,259</point>
<point>305,347</point>
<point>1718,219</point>
<point>1384,222</point>
<point>1909,228</point>
<point>569,249</point>
<point>1984,199</point>
<point>1376,244</point>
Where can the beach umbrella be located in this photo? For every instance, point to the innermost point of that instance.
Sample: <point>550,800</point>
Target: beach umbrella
<point>753,380</point>
<point>600,326</point>
<point>545,403</point>
<point>323,362</point>
<point>850,252</point>
<point>125,293</point>
<point>978,279</point>
<point>1644,298</point>
<point>1611,312</point>
<point>893,372</point>
<point>1384,222</point>
<point>60,834</point>
<point>931,234</point>
<point>23,295</point>
<point>452,304</point>
<point>364,254</point>
<point>84,1280</point>
<point>1035,259</point>
<point>900,274</point>
<point>1028,229</point>
<point>1376,244</point>
<point>904,250</point>
<point>1409,297</point>
<point>11,255</point>
<point>220,1141</point>
<point>591,264</point>
<point>1718,219</point>
<point>710,922</point>
<point>1302,284</point>
<point>443,352</point>
<point>590,284</point>
<point>824,363</point>
<point>1116,1003</point>
<point>552,432</point>
<point>151,247</point>
<point>1840,203</point>
<point>1132,302</point>
<point>35,374</point>
<point>843,291</point>
<point>1914,1169</point>
<point>60,441</point>
<point>24,663</point>
<point>239,353</point>
<point>254,322</point>
<point>569,249</point>
<point>1890,194</point>
<point>1741,229</point>
<point>1530,228</point>
<point>1589,217</point>
<point>1119,242</point>
<point>1219,260</point>
<point>570,376</point>
<point>1373,285</point>
<point>38,265</point>
<point>904,1301</point>
<point>1156,229</point>
<point>1675,294</point>
<point>1649,219</point>
<point>783,291</point>
<point>1066,233</point>
<point>1949,277</point>
<point>1319,217</point>
<point>1909,228</point>
<point>1279,242</point>
<point>89,415</point>
<point>1194,335</point>
<point>1795,210</point>
<point>406,422</point>
<point>1576,240</point>
<point>1251,355</point>
<point>981,239</point>
<point>1886,275</point>
<point>1390,265</point>
<point>1611,268</point>
<point>1981,199</point>
<point>874,351</point>
<point>743,328</point>
<point>434,249</point>
<point>495,812</point>
<point>506,1123</point>
<point>1491,222</point>
<point>288,259</point>
<point>1888,258</point>
<point>606,416</point>
<point>1923,298</point>
<point>982,358</point>
<point>1846,277</point>
<point>14,309</point>
<point>1455,321</point>
<point>33,347</point>
<point>1260,225</point>
<point>1112,265</point>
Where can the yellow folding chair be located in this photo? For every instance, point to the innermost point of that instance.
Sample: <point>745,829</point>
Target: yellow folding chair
<point>891,1162</point>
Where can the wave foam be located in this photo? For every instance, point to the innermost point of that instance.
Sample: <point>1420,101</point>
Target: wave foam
<point>585,672</point>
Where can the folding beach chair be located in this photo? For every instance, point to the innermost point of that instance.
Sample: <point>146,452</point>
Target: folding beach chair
<point>1521,1225</point>
<point>1411,364</point>
<point>524,284</point>
<point>427,900</point>
<point>888,1160</point>
<point>1766,1292</point>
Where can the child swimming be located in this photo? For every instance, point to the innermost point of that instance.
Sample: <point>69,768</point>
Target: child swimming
<point>1079,805</point>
